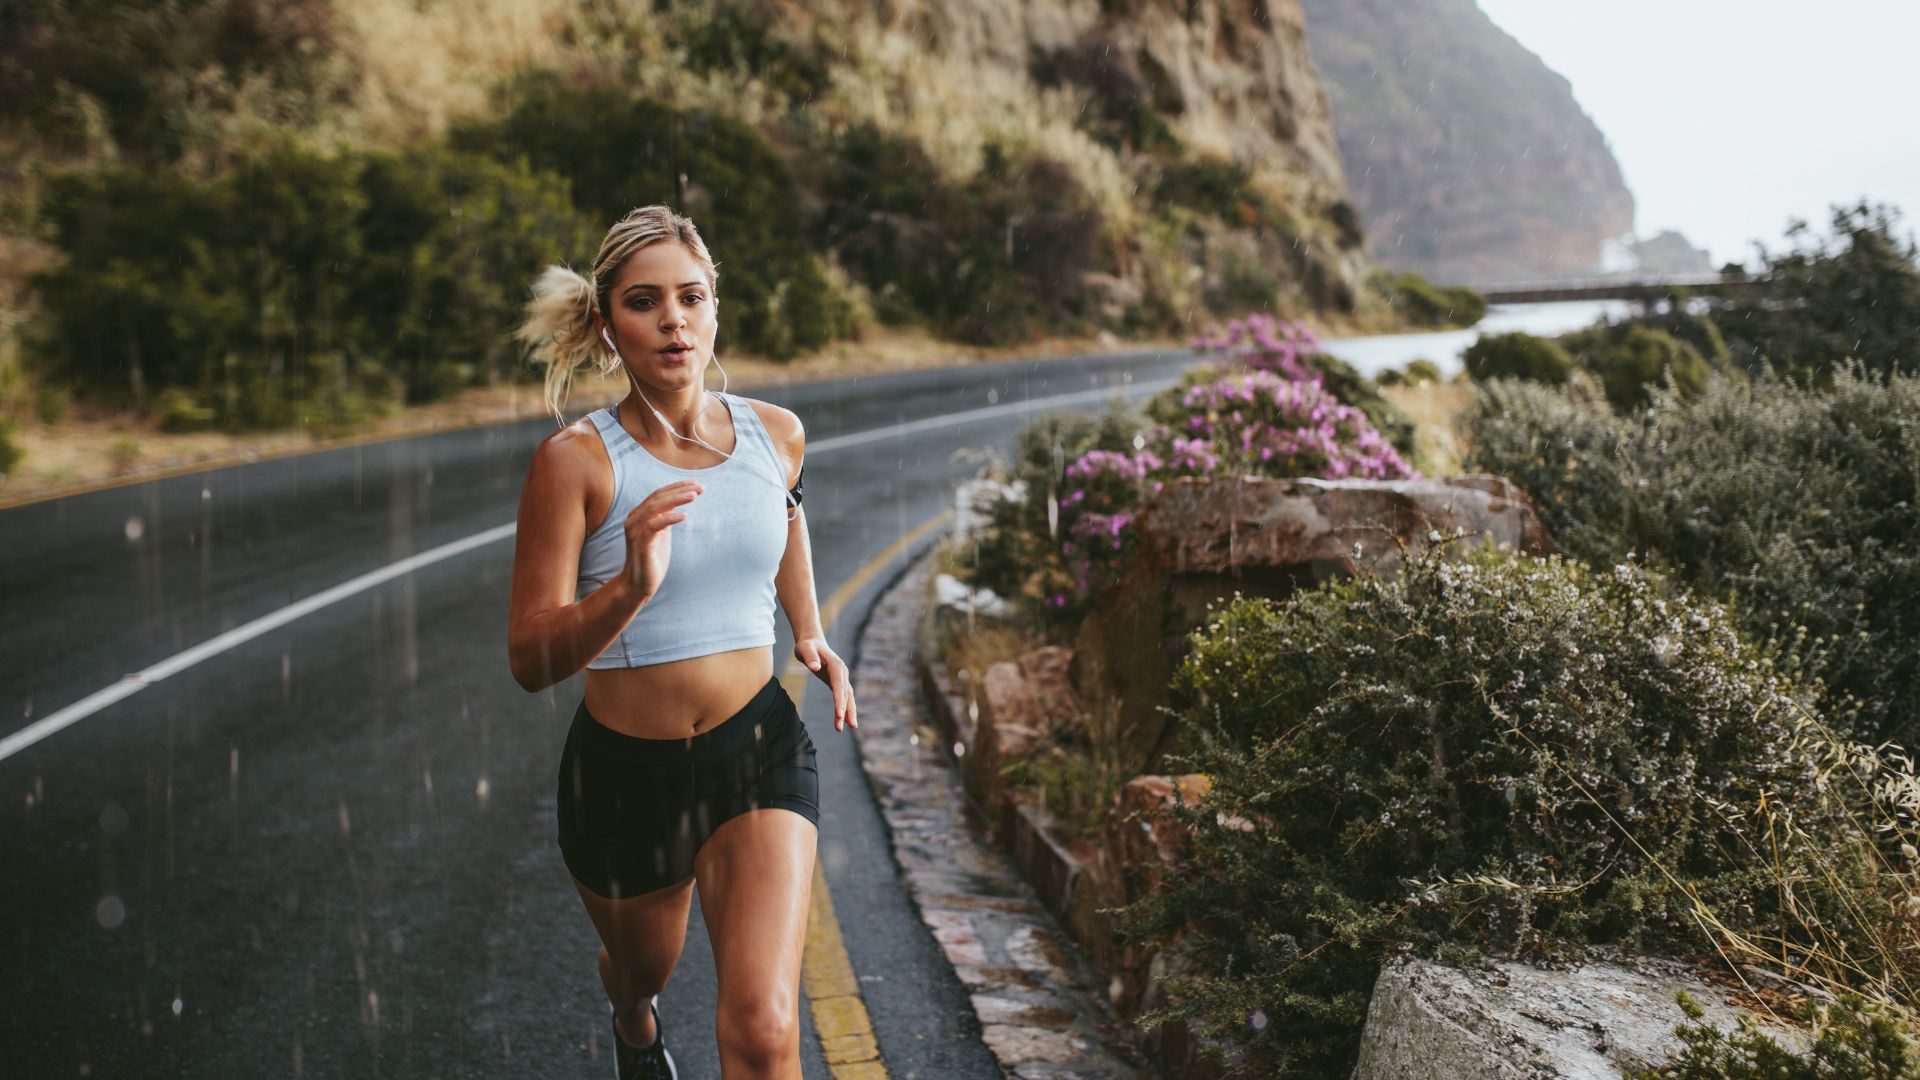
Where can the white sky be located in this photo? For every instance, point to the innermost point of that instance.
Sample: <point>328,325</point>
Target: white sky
<point>1730,116</point>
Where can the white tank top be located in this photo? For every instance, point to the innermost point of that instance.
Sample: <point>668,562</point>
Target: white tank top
<point>718,593</point>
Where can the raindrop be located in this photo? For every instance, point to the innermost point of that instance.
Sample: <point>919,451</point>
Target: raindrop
<point>993,395</point>
<point>135,529</point>
<point>179,1006</point>
<point>346,820</point>
<point>110,912</point>
<point>206,494</point>
<point>959,749</point>
<point>1258,1021</point>
<point>482,789</point>
<point>113,819</point>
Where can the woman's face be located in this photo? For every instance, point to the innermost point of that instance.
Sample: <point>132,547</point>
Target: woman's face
<point>663,317</point>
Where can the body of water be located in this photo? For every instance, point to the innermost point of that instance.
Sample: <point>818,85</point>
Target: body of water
<point>1372,355</point>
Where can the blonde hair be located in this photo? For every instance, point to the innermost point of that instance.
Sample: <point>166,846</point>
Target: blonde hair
<point>559,322</point>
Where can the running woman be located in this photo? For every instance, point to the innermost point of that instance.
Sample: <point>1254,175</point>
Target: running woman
<point>655,537</point>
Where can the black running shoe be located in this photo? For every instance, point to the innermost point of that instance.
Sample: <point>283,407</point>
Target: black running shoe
<point>650,1062</point>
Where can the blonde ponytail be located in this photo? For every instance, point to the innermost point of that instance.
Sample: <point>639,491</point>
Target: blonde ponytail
<point>559,326</point>
<point>559,322</point>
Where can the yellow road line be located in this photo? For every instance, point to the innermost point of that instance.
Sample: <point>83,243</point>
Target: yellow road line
<point>839,1013</point>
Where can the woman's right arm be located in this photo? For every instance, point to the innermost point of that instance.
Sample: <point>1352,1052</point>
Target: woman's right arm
<point>550,636</point>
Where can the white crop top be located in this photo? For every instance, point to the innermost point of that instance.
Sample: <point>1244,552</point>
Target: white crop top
<point>718,592</point>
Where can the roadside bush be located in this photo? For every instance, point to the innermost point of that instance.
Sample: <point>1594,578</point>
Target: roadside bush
<point>1494,753</point>
<point>300,288</point>
<point>1630,359</point>
<point>1517,356</point>
<point>1292,350</point>
<point>1795,503</point>
<point>1019,555</point>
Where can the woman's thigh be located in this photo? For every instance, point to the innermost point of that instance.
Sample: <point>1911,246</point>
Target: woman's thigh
<point>643,934</point>
<point>756,881</point>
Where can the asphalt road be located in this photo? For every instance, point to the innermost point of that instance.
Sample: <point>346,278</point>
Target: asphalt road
<point>329,851</point>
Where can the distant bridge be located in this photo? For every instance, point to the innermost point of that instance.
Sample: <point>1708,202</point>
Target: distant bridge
<point>1611,288</point>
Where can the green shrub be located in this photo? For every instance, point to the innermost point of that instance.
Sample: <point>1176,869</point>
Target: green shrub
<point>732,39</point>
<point>995,260</point>
<point>298,288</point>
<point>135,64</point>
<point>1517,356</point>
<point>1631,359</point>
<point>1853,1040</point>
<point>1019,554</point>
<point>10,452</point>
<point>1499,752</point>
<point>1422,303</point>
<point>1853,293</point>
<point>618,152</point>
<point>1796,503</point>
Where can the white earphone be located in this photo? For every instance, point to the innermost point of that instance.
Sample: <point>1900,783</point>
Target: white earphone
<point>793,505</point>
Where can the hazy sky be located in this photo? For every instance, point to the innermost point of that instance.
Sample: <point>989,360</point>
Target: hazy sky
<point>1731,116</point>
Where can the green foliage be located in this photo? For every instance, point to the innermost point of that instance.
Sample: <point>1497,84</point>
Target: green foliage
<point>996,260</point>
<point>1517,355</point>
<point>1853,1040</point>
<point>300,288</point>
<point>1797,503</point>
<point>1122,114</point>
<point>1422,303</point>
<point>1855,293</point>
<point>734,39</point>
<point>1499,752</point>
<point>1630,359</point>
<point>10,452</point>
<point>129,64</point>
<point>619,152</point>
<point>1018,556</point>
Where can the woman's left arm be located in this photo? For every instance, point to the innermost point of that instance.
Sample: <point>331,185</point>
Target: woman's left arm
<point>794,581</point>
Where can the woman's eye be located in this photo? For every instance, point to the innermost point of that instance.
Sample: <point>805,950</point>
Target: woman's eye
<point>692,298</point>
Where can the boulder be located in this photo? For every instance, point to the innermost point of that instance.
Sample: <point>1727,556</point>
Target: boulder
<point>1020,703</point>
<point>1205,540</point>
<point>1592,1021</point>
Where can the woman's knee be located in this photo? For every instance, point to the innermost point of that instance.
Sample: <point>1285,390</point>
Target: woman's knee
<point>759,1028</point>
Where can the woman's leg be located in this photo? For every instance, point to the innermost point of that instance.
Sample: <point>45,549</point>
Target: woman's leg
<point>756,880</point>
<point>642,938</point>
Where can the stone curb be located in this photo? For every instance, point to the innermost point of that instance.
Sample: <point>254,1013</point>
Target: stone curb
<point>1040,1007</point>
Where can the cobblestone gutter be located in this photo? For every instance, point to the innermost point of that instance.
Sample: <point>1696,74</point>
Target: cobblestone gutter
<point>1041,1009</point>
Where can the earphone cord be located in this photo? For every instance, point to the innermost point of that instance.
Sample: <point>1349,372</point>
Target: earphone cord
<point>793,507</point>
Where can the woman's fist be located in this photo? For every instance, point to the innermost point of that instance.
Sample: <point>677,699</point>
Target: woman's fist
<point>650,537</point>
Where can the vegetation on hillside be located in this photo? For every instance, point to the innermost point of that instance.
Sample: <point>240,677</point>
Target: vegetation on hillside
<point>989,208</point>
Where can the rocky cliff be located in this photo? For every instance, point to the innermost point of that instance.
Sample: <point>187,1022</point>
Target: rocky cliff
<point>1469,158</point>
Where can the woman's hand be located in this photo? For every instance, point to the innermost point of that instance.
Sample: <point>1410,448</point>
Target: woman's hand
<point>650,537</point>
<point>821,660</point>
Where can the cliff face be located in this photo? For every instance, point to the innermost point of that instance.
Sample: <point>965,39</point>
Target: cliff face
<point>1468,156</point>
<point>1231,81</point>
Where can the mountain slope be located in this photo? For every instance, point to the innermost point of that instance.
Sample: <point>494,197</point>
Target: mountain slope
<point>1469,158</point>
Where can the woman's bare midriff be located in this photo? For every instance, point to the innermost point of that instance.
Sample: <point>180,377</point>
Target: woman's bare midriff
<point>679,698</point>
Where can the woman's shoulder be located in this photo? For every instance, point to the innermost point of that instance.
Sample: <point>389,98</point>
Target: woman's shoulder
<point>781,423</point>
<point>577,452</point>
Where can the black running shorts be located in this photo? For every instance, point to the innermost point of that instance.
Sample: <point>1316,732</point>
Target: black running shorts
<point>633,812</point>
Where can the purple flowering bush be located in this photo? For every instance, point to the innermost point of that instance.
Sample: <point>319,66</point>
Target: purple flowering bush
<point>1261,424</point>
<point>1276,407</point>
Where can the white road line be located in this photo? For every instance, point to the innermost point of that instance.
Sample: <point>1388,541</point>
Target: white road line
<point>857,438</point>
<point>56,722</point>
